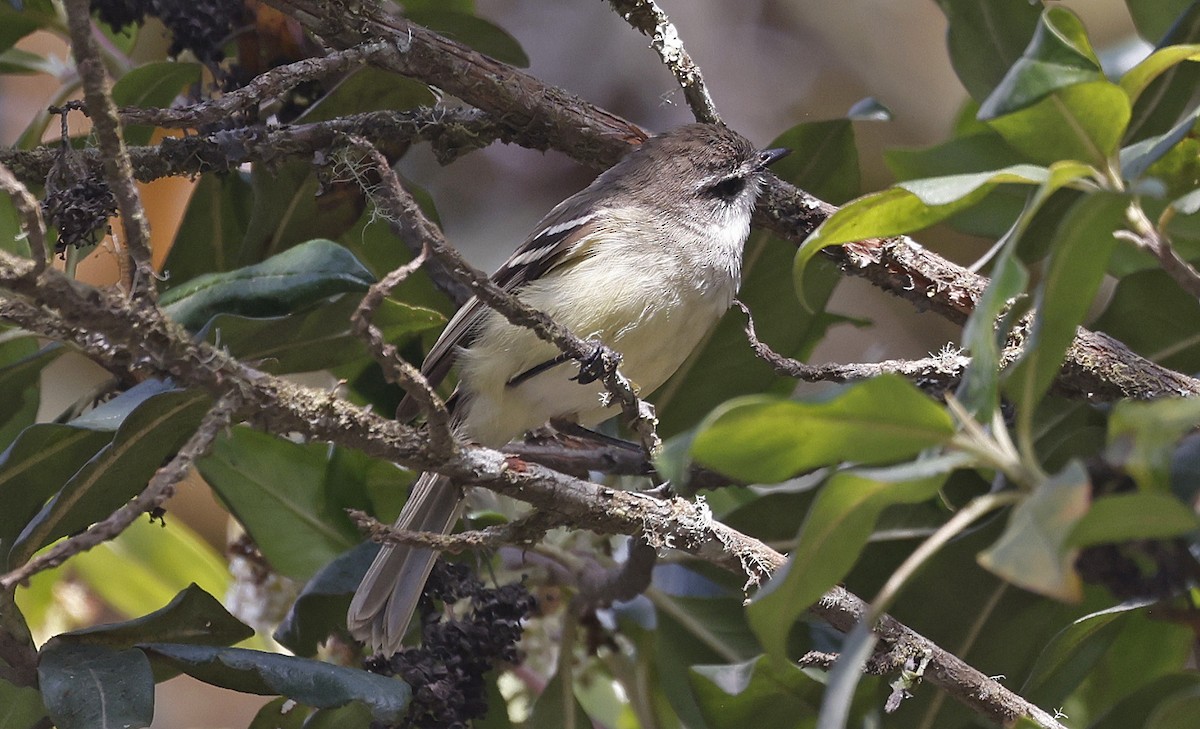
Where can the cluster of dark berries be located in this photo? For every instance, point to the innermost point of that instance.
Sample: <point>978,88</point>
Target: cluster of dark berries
<point>199,26</point>
<point>80,209</point>
<point>447,671</point>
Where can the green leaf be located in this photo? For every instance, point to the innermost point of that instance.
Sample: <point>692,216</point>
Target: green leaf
<point>1079,256</point>
<point>210,235</point>
<point>912,205</point>
<point>1177,712</point>
<point>16,23</point>
<point>21,365</point>
<point>279,285</point>
<point>985,38</point>
<point>1137,158</point>
<point>321,606</point>
<point>979,390</point>
<point>95,687</point>
<point>1033,552</point>
<point>1128,517</point>
<point>763,439</point>
<point>833,535</point>
<point>1068,659</point>
<point>151,434</point>
<point>1083,122</point>
<point>550,709</point>
<point>1159,103</point>
<point>193,617</point>
<point>1135,80</point>
<point>1058,56</point>
<point>1132,710</point>
<point>1151,315</point>
<point>1142,437</point>
<point>35,466</point>
<point>824,159</point>
<point>153,86</point>
<point>20,706</point>
<point>314,683</point>
<point>760,692</point>
<point>318,339</point>
<point>472,31</point>
<point>281,492</point>
<point>1154,19</point>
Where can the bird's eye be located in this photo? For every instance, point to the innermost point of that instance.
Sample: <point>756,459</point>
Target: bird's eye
<point>728,189</point>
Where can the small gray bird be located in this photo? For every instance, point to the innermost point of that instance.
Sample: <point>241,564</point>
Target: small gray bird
<point>646,259</point>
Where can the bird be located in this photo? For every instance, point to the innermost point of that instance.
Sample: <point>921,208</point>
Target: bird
<point>646,259</point>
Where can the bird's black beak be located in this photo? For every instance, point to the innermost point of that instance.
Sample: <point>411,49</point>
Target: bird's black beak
<point>767,157</point>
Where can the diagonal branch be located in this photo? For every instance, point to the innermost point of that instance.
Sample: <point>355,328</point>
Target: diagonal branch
<point>118,171</point>
<point>647,17</point>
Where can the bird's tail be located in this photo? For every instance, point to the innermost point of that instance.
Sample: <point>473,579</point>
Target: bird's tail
<point>386,599</point>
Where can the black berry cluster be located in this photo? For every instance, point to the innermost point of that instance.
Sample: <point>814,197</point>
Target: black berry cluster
<point>447,671</point>
<point>199,26</point>
<point>80,209</point>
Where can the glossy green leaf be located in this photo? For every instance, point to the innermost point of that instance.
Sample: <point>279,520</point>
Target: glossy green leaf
<point>279,285</point>
<point>1151,315</point>
<point>824,159</point>
<point>1133,710</point>
<point>985,38</point>
<point>210,235</point>
<point>119,471</point>
<point>1128,517</point>
<point>321,606</point>
<point>1078,260</point>
<point>1160,102</point>
<point>979,390</point>
<point>1154,19</point>
<point>193,616</point>
<point>95,687</point>
<point>1137,158</point>
<point>763,691</point>
<point>1073,654</point>
<point>1033,552</point>
<point>1058,56</point>
<point>912,205</point>
<point>833,535</point>
<point>550,709</point>
<point>760,439</point>
<point>154,86</point>
<point>1135,80</point>
<point>35,466</point>
<point>1142,437</point>
<point>1177,712</point>
<point>21,365</point>
<point>471,30</point>
<point>1188,204</point>
<point>281,493</point>
<point>20,706</point>
<point>1083,122</point>
<point>16,22</point>
<point>315,683</point>
<point>318,339</point>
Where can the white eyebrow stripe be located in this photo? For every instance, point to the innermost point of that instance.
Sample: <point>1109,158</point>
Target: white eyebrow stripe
<point>560,227</point>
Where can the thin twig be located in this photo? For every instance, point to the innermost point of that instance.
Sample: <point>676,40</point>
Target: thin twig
<point>30,212</point>
<point>938,373</point>
<point>395,367</point>
<point>268,85</point>
<point>1150,238</point>
<point>647,17</point>
<point>527,530</point>
<point>118,170</point>
<point>161,487</point>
